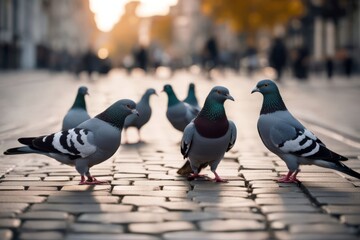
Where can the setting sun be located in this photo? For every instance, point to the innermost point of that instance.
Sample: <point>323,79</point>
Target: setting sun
<point>108,12</point>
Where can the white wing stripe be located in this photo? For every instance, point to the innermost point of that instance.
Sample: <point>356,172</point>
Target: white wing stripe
<point>84,149</point>
<point>293,145</point>
<point>57,145</point>
<point>313,151</point>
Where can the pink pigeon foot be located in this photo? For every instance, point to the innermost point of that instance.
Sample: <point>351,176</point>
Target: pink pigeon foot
<point>289,177</point>
<point>219,179</point>
<point>284,179</point>
<point>195,176</point>
<point>91,181</point>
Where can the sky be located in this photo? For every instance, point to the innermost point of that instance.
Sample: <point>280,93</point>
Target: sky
<point>108,12</point>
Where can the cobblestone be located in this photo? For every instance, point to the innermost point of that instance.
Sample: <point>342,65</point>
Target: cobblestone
<point>145,198</point>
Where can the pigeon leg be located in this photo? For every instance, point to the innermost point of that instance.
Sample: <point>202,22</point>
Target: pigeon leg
<point>82,182</point>
<point>218,178</point>
<point>293,177</point>
<point>287,178</point>
<point>194,176</point>
<point>93,181</point>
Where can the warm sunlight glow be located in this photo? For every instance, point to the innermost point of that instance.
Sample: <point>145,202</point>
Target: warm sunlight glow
<point>103,53</point>
<point>108,12</point>
<point>147,8</point>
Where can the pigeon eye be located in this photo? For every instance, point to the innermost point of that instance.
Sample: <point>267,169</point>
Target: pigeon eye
<point>128,106</point>
<point>218,92</point>
<point>265,85</point>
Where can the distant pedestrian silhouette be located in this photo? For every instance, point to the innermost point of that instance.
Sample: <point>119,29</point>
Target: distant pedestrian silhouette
<point>300,65</point>
<point>277,57</point>
<point>210,56</point>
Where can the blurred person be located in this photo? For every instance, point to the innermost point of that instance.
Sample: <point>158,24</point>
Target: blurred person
<point>347,61</point>
<point>301,62</point>
<point>156,57</point>
<point>141,56</point>
<point>90,62</point>
<point>329,66</point>
<point>210,55</point>
<point>128,63</point>
<point>277,57</point>
<point>252,59</point>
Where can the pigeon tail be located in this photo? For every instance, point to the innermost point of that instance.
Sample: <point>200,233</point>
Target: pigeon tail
<point>345,169</point>
<point>26,141</point>
<point>20,150</point>
<point>186,169</point>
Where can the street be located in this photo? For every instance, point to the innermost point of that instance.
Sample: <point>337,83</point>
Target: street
<point>41,199</point>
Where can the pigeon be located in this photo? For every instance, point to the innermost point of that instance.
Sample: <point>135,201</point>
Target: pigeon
<point>191,98</point>
<point>208,136</point>
<point>144,109</point>
<point>178,113</point>
<point>285,136</point>
<point>77,113</point>
<point>89,144</point>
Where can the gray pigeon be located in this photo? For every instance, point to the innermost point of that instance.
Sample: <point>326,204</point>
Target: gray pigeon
<point>144,109</point>
<point>191,97</point>
<point>77,113</point>
<point>178,113</point>
<point>285,136</point>
<point>209,135</point>
<point>90,143</point>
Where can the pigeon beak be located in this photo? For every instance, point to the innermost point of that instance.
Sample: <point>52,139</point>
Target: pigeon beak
<point>255,90</point>
<point>228,96</point>
<point>134,111</point>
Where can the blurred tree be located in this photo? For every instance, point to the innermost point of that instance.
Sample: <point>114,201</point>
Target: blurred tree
<point>124,36</point>
<point>250,16</point>
<point>161,29</point>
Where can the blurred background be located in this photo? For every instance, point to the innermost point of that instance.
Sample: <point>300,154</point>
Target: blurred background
<point>295,37</point>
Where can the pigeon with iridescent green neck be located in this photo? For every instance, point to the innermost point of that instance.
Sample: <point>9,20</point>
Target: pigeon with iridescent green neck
<point>208,136</point>
<point>77,113</point>
<point>178,113</point>
<point>191,97</point>
<point>285,136</point>
<point>89,144</point>
<point>144,109</point>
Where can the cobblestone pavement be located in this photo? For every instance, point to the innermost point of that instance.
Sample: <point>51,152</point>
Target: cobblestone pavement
<point>40,198</point>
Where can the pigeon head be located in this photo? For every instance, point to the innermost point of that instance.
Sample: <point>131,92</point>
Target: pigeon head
<point>192,86</point>
<point>150,91</point>
<point>266,87</point>
<point>171,95</point>
<point>80,98</point>
<point>220,94</point>
<point>117,112</point>
<point>168,88</point>
<point>83,90</point>
<point>272,99</point>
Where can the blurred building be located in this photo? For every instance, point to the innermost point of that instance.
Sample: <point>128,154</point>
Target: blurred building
<point>38,33</point>
<point>192,29</point>
<point>329,30</point>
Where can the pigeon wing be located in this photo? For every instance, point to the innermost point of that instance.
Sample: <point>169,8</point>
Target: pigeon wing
<point>232,136</point>
<point>187,139</point>
<point>301,142</point>
<point>75,142</point>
